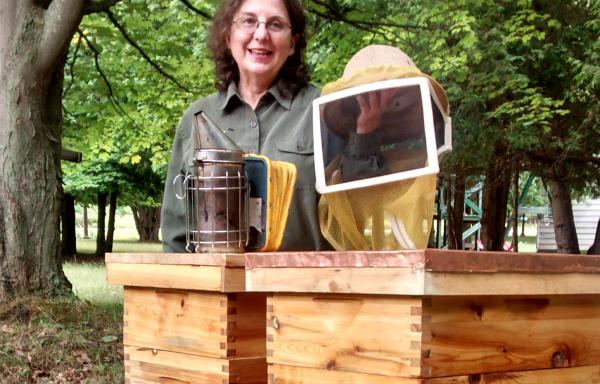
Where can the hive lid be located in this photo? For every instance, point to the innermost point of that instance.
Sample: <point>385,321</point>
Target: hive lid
<point>432,260</point>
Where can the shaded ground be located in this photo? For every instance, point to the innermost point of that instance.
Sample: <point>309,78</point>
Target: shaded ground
<point>62,340</point>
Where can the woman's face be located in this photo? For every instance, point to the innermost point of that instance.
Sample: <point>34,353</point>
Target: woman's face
<point>260,52</point>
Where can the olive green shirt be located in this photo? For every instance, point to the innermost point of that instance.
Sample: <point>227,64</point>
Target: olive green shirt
<point>280,128</point>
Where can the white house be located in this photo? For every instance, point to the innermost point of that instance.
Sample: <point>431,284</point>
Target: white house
<point>586,216</point>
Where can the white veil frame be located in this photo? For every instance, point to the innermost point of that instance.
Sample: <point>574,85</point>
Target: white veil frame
<point>434,150</point>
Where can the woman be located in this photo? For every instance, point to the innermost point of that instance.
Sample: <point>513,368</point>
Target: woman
<point>263,103</point>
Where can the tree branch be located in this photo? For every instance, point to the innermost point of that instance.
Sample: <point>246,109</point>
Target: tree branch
<point>111,96</point>
<point>550,158</point>
<point>99,6</point>
<point>60,21</point>
<point>154,65</point>
<point>71,65</point>
<point>335,15</point>
<point>356,24</point>
<point>196,10</point>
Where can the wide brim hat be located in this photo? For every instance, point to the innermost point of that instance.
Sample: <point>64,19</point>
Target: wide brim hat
<point>370,64</point>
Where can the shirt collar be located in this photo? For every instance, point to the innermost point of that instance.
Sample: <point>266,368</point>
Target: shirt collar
<point>281,97</point>
<point>232,91</point>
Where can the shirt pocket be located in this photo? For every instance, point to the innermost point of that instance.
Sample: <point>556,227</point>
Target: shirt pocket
<point>300,152</point>
<point>300,146</point>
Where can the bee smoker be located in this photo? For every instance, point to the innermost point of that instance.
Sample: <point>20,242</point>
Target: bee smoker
<point>215,190</point>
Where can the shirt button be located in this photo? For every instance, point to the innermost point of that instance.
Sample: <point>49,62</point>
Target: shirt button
<point>253,124</point>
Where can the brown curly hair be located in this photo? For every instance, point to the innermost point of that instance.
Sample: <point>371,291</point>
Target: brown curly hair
<point>293,74</point>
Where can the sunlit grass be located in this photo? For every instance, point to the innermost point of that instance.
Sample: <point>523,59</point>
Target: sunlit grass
<point>125,235</point>
<point>89,284</point>
<point>123,246</point>
<point>527,244</point>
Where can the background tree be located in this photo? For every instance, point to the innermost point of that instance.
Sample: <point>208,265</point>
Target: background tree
<point>34,39</point>
<point>139,83</point>
<point>98,182</point>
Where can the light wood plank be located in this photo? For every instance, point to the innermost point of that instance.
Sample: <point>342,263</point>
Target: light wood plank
<point>286,374</point>
<point>577,375</point>
<point>202,323</point>
<point>214,259</point>
<point>178,321</point>
<point>442,309</point>
<point>395,281</point>
<point>147,366</point>
<point>368,334</point>
<point>193,277</point>
<point>448,284</point>
<point>415,281</point>
<point>282,374</point>
<point>495,334</point>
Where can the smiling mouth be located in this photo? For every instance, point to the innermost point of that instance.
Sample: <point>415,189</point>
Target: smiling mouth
<point>260,52</point>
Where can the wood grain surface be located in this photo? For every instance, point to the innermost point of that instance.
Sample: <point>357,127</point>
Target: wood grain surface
<point>367,334</point>
<point>214,259</point>
<point>406,281</point>
<point>282,374</point>
<point>191,277</point>
<point>148,366</point>
<point>201,323</point>
<point>473,335</point>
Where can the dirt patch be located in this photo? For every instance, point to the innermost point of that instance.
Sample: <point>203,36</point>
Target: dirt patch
<point>19,310</point>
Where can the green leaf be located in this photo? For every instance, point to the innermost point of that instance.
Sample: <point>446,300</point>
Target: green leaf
<point>109,339</point>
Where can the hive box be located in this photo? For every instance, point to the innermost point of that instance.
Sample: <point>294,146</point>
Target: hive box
<point>188,319</point>
<point>429,316</point>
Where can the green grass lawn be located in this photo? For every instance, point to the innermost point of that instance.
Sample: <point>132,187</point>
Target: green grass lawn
<point>127,246</point>
<point>89,284</point>
<point>125,236</point>
<point>527,244</point>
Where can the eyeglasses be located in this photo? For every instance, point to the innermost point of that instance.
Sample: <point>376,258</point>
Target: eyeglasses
<point>250,24</point>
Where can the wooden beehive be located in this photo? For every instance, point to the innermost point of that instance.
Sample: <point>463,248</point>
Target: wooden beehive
<point>188,319</point>
<point>430,316</point>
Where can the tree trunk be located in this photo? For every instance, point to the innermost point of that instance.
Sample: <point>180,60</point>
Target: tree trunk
<point>100,234</point>
<point>456,212</point>
<point>86,234</point>
<point>69,242</point>
<point>562,216</point>
<point>595,248</point>
<point>450,219</point>
<point>495,199</point>
<point>110,235</point>
<point>33,46</point>
<point>515,213</point>
<point>147,222</point>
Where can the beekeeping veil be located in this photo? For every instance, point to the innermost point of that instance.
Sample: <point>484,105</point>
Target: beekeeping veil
<point>378,188</point>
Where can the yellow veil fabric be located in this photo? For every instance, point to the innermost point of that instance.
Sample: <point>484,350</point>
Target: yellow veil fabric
<point>391,216</point>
